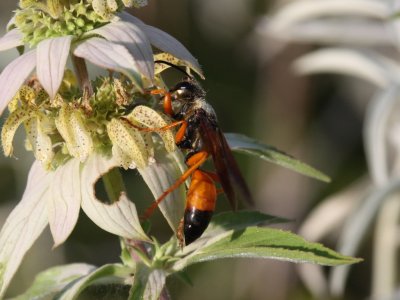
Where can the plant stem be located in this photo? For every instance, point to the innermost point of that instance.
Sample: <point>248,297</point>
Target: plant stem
<point>113,184</point>
<point>82,74</point>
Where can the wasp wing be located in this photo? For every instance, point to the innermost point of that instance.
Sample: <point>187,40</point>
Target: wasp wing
<point>225,164</point>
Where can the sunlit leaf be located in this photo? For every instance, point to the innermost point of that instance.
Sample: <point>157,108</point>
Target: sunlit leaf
<point>244,144</point>
<point>112,273</point>
<point>51,58</point>
<point>239,220</point>
<point>255,242</point>
<point>366,65</point>
<point>24,225</point>
<point>148,284</point>
<point>51,281</point>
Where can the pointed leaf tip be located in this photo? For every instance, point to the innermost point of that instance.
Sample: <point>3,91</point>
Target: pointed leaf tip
<point>256,242</point>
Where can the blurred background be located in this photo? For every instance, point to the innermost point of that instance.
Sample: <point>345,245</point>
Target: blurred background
<point>248,52</point>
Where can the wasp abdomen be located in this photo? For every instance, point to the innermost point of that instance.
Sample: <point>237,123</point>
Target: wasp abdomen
<point>200,206</point>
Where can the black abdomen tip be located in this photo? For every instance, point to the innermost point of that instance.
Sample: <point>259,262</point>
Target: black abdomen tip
<point>195,223</point>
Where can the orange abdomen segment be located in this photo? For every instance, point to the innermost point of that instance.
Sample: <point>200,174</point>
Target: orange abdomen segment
<point>200,205</point>
<point>202,193</point>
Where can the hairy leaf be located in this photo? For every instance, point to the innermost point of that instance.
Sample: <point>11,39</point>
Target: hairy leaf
<point>255,242</point>
<point>244,144</point>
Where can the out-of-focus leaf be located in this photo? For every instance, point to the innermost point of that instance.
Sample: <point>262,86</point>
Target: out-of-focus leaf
<point>51,281</point>
<point>355,229</point>
<point>369,66</point>
<point>255,242</point>
<point>112,273</point>
<point>14,75</point>
<point>24,225</point>
<point>51,56</point>
<point>148,283</point>
<point>376,127</point>
<point>243,144</point>
<point>328,217</point>
<point>338,31</point>
<point>299,11</point>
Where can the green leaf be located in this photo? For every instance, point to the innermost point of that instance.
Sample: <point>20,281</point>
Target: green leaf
<point>255,242</point>
<point>239,220</point>
<point>243,144</point>
<point>148,285</point>
<point>48,283</point>
<point>111,273</point>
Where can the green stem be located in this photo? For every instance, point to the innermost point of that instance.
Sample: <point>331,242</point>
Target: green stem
<point>113,184</point>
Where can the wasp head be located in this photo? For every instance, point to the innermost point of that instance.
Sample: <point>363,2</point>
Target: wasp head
<point>187,90</point>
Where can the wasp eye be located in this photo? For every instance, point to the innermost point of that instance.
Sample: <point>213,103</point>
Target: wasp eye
<point>184,90</point>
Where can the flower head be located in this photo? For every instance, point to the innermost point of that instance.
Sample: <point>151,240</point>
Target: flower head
<point>77,129</point>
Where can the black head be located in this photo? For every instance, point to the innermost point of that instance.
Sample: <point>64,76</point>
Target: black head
<point>187,90</point>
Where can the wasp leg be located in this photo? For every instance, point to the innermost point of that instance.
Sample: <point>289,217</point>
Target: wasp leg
<point>167,100</point>
<point>196,160</point>
<point>150,129</point>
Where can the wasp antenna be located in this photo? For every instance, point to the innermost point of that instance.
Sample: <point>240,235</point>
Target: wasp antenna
<point>173,66</point>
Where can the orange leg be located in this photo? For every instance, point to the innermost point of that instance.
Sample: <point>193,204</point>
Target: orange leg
<point>167,100</point>
<point>164,128</point>
<point>195,162</point>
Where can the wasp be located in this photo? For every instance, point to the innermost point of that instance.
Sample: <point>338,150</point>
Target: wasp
<point>199,135</point>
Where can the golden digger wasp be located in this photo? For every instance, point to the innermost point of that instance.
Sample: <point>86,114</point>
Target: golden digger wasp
<point>201,137</point>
